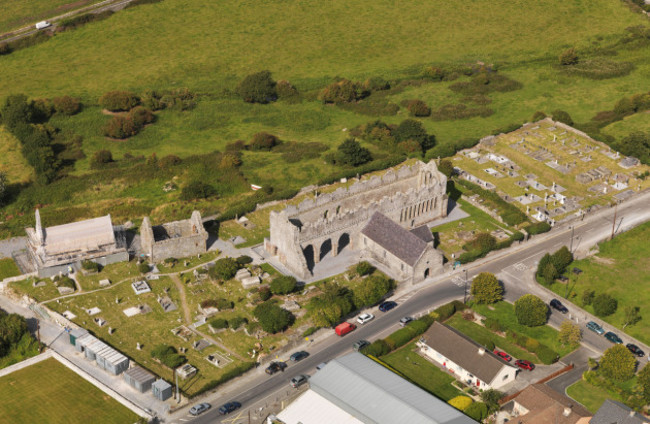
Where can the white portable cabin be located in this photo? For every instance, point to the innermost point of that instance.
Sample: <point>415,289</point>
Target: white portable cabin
<point>43,24</point>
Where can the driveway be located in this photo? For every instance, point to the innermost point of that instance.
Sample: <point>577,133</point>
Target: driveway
<point>579,359</point>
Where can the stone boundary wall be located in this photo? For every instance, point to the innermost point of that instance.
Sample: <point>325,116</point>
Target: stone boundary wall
<point>6,281</point>
<point>27,362</point>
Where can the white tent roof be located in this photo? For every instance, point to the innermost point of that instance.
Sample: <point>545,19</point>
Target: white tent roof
<point>87,235</point>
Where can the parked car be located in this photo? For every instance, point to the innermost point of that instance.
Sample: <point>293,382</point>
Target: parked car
<point>404,321</point>
<point>501,354</point>
<point>557,305</point>
<point>43,25</point>
<point>275,367</point>
<point>299,356</point>
<point>227,408</point>
<point>524,364</point>
<point>200,408</point>
<point>595,328</point>
<point>364,318</point>
<point>344,328</point>
<point>612,337</point>
<point>387,306</point>
<point>360,344</point>
<point>298,380</point>
<point>635,350</point>
<point>320,366</point>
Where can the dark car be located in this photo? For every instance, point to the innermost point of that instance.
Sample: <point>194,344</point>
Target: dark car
<point>404,321</point>
<point>299,356</point>
<point>635,350</point>
<point>503,355</point>
<point>275,367</point>
<point>524,364</point>
<point>612,337</point>
<point>298,380</point>
<point>595,328</point>
<point>227,408</point>
<point>200,408</point>
<point>557,305</point>
<point>358,345</point>
<point>387,306</point>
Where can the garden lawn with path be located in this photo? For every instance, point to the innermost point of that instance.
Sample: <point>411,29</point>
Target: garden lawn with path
<point>49,392</point>
<point>592,397</point>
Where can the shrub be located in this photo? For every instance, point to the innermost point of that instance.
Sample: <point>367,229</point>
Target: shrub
<point>66,105</point>
<point>258,88</point>
<point>343,91</point>
<point>121,127</point>
<point>285,90</point>
<point>167,355</point>
<point>538,116</point>
<point>168,161</point>
<point>224,269</point>
<point>477,411</point>
<point>433,72</point>
<point>486,288</point>
<point>459,111</point>
<point>141,116</point>
<point>244,260</point>
<point>263,141</point>
<point>604,305</point>
<point>562,116</point>
<point>377,348</point>
<point>588,296</point>
<point>410,129</point>
<point>197,190</point>
<point>538,228</point>
<point>283,285</point>
<point>308,332</point>
<point>445,311</point>
<point>219,323</point>
<point>143,268</point>
<point>418,108</point>
<point>236,322</point>
<point>531,311</point>
<point>568,57</point>
<point>376,84</point>
<point>493,324</point>
<point>400,337</point>
<point>372,290</point>
<point>600,68</point>
<point>351,153</point>
<point>272,318</point>
<point>117,101</point>
<point>264,293</point>
<point>364,268</point>
<point>460,402</point>
<point>90,265</point>
<point>491,398</point>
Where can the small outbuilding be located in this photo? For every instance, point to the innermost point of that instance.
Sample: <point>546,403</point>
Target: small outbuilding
<point>186,371</point>
<point>112,361</point>
<point>139,378</point>
<point>75,334</point>
<point>161,390</point>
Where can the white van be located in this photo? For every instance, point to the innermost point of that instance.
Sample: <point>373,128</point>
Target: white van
<point>43,24</point>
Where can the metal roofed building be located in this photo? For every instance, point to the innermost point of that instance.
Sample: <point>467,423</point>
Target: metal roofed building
<point>139,378</point>
<point>356,389</point>
<point>612,412</point>
<point>55,249</point>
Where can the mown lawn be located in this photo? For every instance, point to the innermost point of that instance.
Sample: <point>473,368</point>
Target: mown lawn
<point>422,372</point>
<point>48,392</point>
<point>621,269</point>
<point>592,397</point>
<point>8,268</point>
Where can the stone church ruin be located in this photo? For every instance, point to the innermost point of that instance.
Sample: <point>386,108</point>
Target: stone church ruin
<point>410,196</point>
<point>173,239</point>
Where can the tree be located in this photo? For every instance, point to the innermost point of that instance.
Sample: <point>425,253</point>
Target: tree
<point>570,333</point>
<point>618,363</point>
<point>632,315</point>
<point>550,273</point>
<point>491,398</point>
<point>343,91</point>
<point>121,127</point>
<point>562,259</point>
<point>371,291</point>
<point>410,129</point>
<point>141,116</point>
<point>224,269</point>
<point>477,411</point>
<point>16,110</point>
<point>167,355</point>
<point>460,402</point>
<point>418,108</point>
<point>327,308</point>
<point>643,383</point>
<point>604,305</point>
<point>446,167</point>
<point>263,141</point>
<point>365,268</point>
<point>66,105</point>
<point>531,311</point>
<point>351,153</point>
<point>569,57</point>
<point>562,116</point>
<point>197,190</point>
<point>3,186</point>
<point>283,285</point>
<point>272,318</point>
<point>143,268</point>
<point>486,288</point>
<point>483,242</point>
<point>588,296</point>
<point>636,144</point>
<point>101,158</point>
<point>258,88</point>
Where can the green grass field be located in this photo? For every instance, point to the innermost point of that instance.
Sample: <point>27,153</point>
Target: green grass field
<point>8,268</point>
<point>592,397</point>
<point>16,15</point>
<point>620,269</point>
<point>50,392</point>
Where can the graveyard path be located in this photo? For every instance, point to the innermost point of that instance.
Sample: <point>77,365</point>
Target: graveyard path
<point>181,291</point>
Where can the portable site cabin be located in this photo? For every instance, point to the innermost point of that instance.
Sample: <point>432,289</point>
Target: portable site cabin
<point>76,334</point>
<point>139,378</point>
<point>93,347</point>
<point>161,390</point>
<point>81,342</point>
<point>112,361</point>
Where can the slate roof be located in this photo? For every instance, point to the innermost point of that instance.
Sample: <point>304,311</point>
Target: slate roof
<point>402,243</point>
<point>423,233</point>
<point>612,412</point>
<point>374,395</point>
<point>546,406</point>
<point>463,351</point>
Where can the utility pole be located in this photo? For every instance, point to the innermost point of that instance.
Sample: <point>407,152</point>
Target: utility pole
<point>465,288</point>
<point>614,221</point>
<point>38,335</point>
<point>178,394</point>
<point>571,245</point>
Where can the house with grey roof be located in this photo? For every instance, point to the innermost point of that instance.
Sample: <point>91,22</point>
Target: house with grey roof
<point>409,255</point>
<point>354,389</point>
<point>539,404</point>
<point>467,360</point>
<point>612,412</point>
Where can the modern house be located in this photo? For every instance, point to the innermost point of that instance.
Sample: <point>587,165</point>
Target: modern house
<point>467,360</point>
<point>539,404</point>
<point>612,412</point>
<point>354,389</point>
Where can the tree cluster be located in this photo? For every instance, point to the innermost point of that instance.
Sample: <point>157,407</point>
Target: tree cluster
<point>351,153</point>
<point>178,99</point>
<point>197,190</point>
<point>224,269</point>
<point>550,267</point>
<point>168,356</point>
<point>604,305</point>
<point>12,329</point>
<point>408,137</point>
<point>119,101</point>
<point>486,288</point>
<point>272,318</point>
<point>636,144</point>
<point>258,88</point>
<point>344,91</point>
<point>125,126</point>
<point>531,311</point>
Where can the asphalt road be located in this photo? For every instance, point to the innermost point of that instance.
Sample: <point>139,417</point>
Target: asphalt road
<point>512,268</point>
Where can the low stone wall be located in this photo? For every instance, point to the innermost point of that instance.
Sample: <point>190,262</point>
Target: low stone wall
<point>27,362</point>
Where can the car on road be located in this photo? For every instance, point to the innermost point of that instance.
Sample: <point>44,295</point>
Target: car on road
<point>360,344</point>
<point>501,354</point>
<point>404,321</point>
<point>524,364</point>
<point>200,408</point>
<point>364,318</point>
<point>635,350</point>
<point>557,305</point>
<point>275,367</point>
<point>227,408</point>
<point>612,337</point>
<point>299,356</point>
<point>298,380</point>
<point>595,328</point>
<point>387,306</point>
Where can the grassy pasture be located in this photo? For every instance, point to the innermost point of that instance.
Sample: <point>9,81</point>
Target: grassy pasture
<point>50,392</point>
<point>8,268</point>
<point>17,14</point>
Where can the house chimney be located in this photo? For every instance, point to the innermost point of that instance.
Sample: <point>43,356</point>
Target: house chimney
<point>567,411</point>
<point>481,351</point>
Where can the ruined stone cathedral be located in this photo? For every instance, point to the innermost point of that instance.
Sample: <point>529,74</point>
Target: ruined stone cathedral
<point>381,216</point>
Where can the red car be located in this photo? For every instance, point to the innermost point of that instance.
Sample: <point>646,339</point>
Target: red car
<point>524,364</point>
<point>503,355</point>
